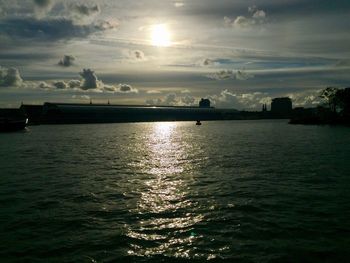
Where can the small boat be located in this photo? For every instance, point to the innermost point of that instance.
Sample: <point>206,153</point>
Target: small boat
<point>198,123</point>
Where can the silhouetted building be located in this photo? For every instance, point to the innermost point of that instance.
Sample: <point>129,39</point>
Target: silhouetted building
<point>12,120</point>
<point>281,106</point>
<point>264,108</point>
<point>59,113</point>
<point>33,112</point>
<point>204,103</point>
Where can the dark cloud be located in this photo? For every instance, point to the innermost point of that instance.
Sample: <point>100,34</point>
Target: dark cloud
<point>51,29</point>
<point>90,80</point>
<point>125,88</point>
<point>103,25</point>
<point>86,10</point>
<point>121,88</point>
<point>44,85</point>
<point>135,55</point>
<point>43,3</point>
<point>42,7</point>
<point>231,74</point>
<point>207,62</point>
<point>139,54</point>
<point>66,61</point>
<point>243,75</point>
<point>10,77</point>
<point>74,83</point>
<point>60,85</point>
<point>89,83</point>
<point>221,75</point>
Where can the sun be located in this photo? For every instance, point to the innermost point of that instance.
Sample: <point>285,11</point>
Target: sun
<point>160,35</point>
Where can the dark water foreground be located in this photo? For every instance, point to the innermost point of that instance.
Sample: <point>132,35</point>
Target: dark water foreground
<point>238,191</point>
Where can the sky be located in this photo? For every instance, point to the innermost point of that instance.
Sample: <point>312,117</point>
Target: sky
<point>238,53</point>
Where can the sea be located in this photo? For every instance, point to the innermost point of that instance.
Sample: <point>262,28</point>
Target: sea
<point>225,191</point>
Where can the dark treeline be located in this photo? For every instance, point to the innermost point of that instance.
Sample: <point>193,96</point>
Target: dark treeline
<point>335,110</point>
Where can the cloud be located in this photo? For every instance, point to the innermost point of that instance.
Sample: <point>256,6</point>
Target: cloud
<point>88,83</point>
<point>74,83</point>
<point>139,54</point>
<point>207,62</point>
<point>153,92</point>
<point>10,77</point>
<point>43,3</point>
<point>226,99</point>
<point>84,97</point>
<point>60,85</point>
<point>90,80</point>
<point>66,61</point>
<point>230,74</point>
<point>308,98</point>
<point>247,101</point>
<point>188,100</point>
<point>172,99</point>
<point>259,14</point>
<point>42,7</point>
<point>343,63</point>
<point>243,75</point>
<point>103,25</point>
<point>85,10</point>
<point>221,75</point>
<point>44,85</point>
<point>179,4</point>
<point>254,100</point>
<point>51,29</point>
<point>121,88</point>
<point>126,88</point>
<point>136,55</point>
<point>185,91</point>
<point>153,102</point>
<point>257,17</point>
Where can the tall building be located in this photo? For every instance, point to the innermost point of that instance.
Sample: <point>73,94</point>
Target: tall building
<point>281,106</point>
<point>204,103</point>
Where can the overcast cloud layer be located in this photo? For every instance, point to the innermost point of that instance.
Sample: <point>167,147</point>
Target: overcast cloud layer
<point>238,53</point>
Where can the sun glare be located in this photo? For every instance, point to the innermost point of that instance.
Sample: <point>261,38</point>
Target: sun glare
<point>160,35</point>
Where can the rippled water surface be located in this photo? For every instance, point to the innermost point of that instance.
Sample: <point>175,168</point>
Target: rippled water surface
<point>240,191</point>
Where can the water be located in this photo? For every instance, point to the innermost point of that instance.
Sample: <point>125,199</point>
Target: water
<point>236,191</point>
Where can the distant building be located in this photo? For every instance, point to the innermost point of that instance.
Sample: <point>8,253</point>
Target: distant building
<point>65,113</point>
<point>204,103</point>
<point>281,106</point>
<point>264,108</point>
<point>33,112</point>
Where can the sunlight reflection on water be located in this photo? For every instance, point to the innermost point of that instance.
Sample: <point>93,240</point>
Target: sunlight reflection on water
<point>165,197</point>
